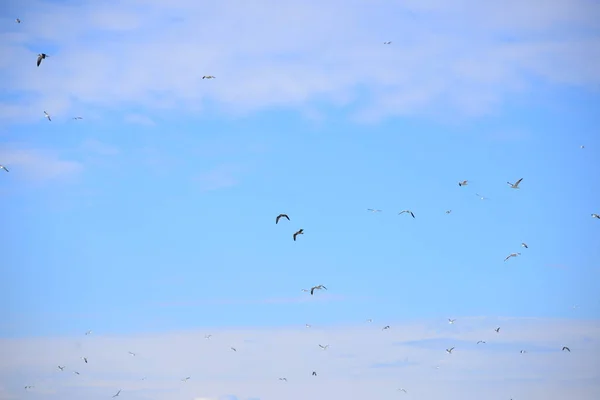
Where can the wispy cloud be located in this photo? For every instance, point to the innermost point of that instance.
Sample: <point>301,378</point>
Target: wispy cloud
<point>219,177</point>
<point>38,165</point>
<point>264,355</point>
<point>464,56</point>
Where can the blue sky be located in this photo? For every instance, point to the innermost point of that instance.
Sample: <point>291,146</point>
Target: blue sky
<point>155,212</point>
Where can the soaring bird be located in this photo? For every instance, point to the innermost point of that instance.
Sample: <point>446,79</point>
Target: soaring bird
<point>307,325</point>
<point>481,197</point>
<point>402,390</point>
<point>385,327</point>
<point>314,373</point>
<point>61,368</point>
<point>463,183</point>
<point>283,379</point>
<point>595,216</point>
<point>84,359</point>
<point>117,394</point>
<point>300,232</point>
<point>41,57</point>
<point>516,184</point>
<point>373,210</point>
<point>29,387</point>
<point>208,77</point>
<point>324,347</point>
<point>497,330</point>
<point>88,332</point>
<point>451,321</point>
<point>512,255</point>
<point>18,21</point>
<point>407,211</point>
<point>370,320</point>
<point>449,351</point>
<point>566,348</point>
<point>448,211</point>
<point>76,373</point>
<point>207,336</point>
<point>524,245</point>
<point>4,168</point>
<point>318,287</point>
<point>185,379</point>
<point>131,354</point>
<point>281,216</point>
<point>47,116</point>
<point>305,290</point>
<point>481,341</point>
<point>387,42</point>
<point>523,351</point>
<point>233,348</point>
<point>77,118</point>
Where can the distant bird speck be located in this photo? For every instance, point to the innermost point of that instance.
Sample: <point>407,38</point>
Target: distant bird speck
<point>233,348</point>
<point>596,216</point>
<point>77,118</point>
<point>117,394</point>
<point>385,327</point>
<point>463,183</point>
<point>402,390</point>
<point>387,42</point>
<point>324,347</point>
<point>208,77</point>
<point>512,255</point>
<point>131,354</point>
<point>283,379</point>
<point>449,351</point>
<point>29,387</point>
<point>61,368</point>
<point>47,116</point>
<point>407,211</point>
<point>185,379</point>
<point>299,232</point>
<point>18,21</point>
<point>523,351</point>
<point>281,216</point>
<point>314,373</point>
<point>84,359</point>
<point>4,168</point>
<point>566,348</point>
<point>88,332</point>
<point>373,210</point>
<point>481,341</point>
<point>497,330</point>
<point>448,211</point>
<point>481,197</point>
<point>207,336</point>
<point>451,321</point>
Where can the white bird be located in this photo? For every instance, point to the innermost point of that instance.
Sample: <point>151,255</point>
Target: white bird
<point>324,347</point>
<point>207,336</point>
<point>407,211</point>
<point>595,216</point>
<point>523,351</point>
<point>451,321</point>
<point>185,379</point>
<point>117,394</point>
<point>402,390</point>
<point>47,116</point>
<point>481,197</point>
<point>524,245</point>
<point>449,351</point>
<point>512,255</point>
<point>374,210</point>
<point>131,354</point>
<point>463,183</point>
<point>208,77</point>
<point>84,359</point>
<point>61,368</point>
<point>88,332</point>
<point>283,379</point>
<point>307,325</point>
<point>370,320</point>
<point>4,168</point>
<point>516,184</point>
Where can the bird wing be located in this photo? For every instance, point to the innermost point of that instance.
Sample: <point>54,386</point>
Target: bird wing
<point>277,219</point>
<point>312,290</point>
<point>517,182</point>
<point>286,217</point>
<point>296,234</point>
<point>39,60</point>
<point>411,213</point>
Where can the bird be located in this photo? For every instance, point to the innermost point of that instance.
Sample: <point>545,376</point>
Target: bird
<point>76,373</point>
<point>88,332</point>
<point>18,21</point>
<point>61,368</point>
<point>300,232</point>
<point>314,373</point>
<point>29,387</point>
<point>374,210</point>
<point>448,211</point>
<point>566,348</point>
<point>47,116</point>
<point>283,379</point>
<point>596,216</point>
<point>370,320</point>
<point>131,354</point>
<point>233,348</point>
<point>307,325</point>
<point>4,168</point>
<point>117,394</point>
<point>324,347</point>
<point>385,327</point>
<point>523,351</point>
<point>407,211</point>
<point>512,255</point>
<point>185,379</point>
<point>449,351</point>
<point>481,197</point>
<point>497,330</point>
<point>281,216</point>
<point>524,245</point>
<point>318,287</point>
<point>582,146</point>
<point>77,118</point>
<point>516,184</point>
<point>481,341</point>
<point>463,183</point>
<point>207,336</point>
<point>387,42</point>
<point>451,321</point>
<point>41,57</point>
<point>402,390</point>
<point>208,77</point>
<point>84,359</point>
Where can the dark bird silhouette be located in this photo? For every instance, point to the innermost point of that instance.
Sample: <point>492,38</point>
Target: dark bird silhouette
<point>318,287</point>
<point>281,216</point>
<point>300,232</point>
<point>407,211</point>
<point>497,330</point>
<point>117,394</point>
<point>4,168</point>
<point>314,373</point>
<point>566,348</point>
<point>41,57</point>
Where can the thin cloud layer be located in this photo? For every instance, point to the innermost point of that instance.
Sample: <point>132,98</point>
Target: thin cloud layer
<point>464,56</point>
<point>360,361</point>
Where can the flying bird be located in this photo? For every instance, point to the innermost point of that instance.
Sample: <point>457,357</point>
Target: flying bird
<point>76,373</point>
<point>516,184</point>
<point>281,216</point>
<point>4,168</point>
<point>300,232</point>
<point>448,211</point>
<point>481,197</point>
<point>283,379</point>
<point>512,255</point>
<point>88,332</point>
<point>18,21</point>
<point>582,146</point>
<point>370,320</point>
<point>314,373</point>
<point>481,341</point>
<point>307,325</point>
<point>463,183</point>
<point>47,116</point>
<point>61,368</point>
<point>523,351</point>
<point>324,347</point>
<point>402,390</point>
<point>233,348</point>
<point>385,327</point>
<point>41,57</point>
<point>566,348</point>
<point>77,118</point>
<point>595,216</point>
<point>319,287</point>
<point>185,379</point>
<point>407,211</point>
<point>208,77</point>
<point>524,245</point>
<point>449,351</point>
<point>207,336</point>
<point>29,387</point>
<point>451,321</point>
<point>387,42</point>
<point>374,210</point>
<point>497,330</point>
<point>117,394</point>
<point>84,359</point>
<point>131,354</point>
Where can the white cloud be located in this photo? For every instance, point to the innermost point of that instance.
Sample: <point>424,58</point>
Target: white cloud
<point>461,55</point>
<point>347,369</point>
<point>38,164</point>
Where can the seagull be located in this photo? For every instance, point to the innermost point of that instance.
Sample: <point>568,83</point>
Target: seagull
<point>448,211</point>
<point>300,232</point>
<point>387,42</point>
<point>402,390</point>
<point>307,325</point>
<point>47,116</point>
<point>29,387</point>
<point>407,211</point>
<point>374,210</point>
<point>88,332</point>
<point>497,330</point>
<point>370,320</point>
<point>524,245</point>
<point>41,57</point>
<point>385,327</point>
<point>208,77</point>
<point>117,394</point>
<point>463,183</point>
<point>233,348</point>
<point>595,216</point>
<point>283,379</point>
<point>4,168</point>
<point>566,348</point>
<point>84,359</point>
<point>324,347</point>
<point>61,368</point>
<point>207,336</point>
<point>512,255</point>
<point>18,21</point>
<point>281,216</point>
<point>76,373</point>
<point>481,341</point>
<point>185,379</point>
<point>319,287</point>
<point>516,184</point>
<point>314,373</point>
<point>132,354</point>
<point>449,351</point>
<point>451,321</point>
<point>77,118</point>
<point>523,351</point>
<point>481,197</point>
